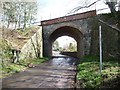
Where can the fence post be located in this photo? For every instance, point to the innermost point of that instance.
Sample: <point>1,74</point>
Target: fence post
<point>100,46</point>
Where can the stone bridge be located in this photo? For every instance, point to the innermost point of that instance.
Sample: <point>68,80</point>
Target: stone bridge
<point>77,26</point>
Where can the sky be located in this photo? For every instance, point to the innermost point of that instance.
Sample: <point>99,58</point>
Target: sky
<point>54,8</point>
<point>49,9</point>
<point>65,41</point>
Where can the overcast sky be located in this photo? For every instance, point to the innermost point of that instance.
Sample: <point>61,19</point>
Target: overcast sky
<point>49,9</point>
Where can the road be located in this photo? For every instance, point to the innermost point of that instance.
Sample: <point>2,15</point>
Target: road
<point>58,72</point>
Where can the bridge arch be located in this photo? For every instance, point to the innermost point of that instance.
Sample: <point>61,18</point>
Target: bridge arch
<point>67,31</point>
<point>72,25</point>
<point>77,26</point>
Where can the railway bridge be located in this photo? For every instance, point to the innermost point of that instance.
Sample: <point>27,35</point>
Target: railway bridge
<point>77,26</point>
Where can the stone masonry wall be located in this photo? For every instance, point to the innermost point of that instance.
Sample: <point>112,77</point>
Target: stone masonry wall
<point>81,25</point>
<point>33,45</point>
<point>110,41</point>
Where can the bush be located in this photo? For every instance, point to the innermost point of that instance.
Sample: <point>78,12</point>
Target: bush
<point>5,55</point>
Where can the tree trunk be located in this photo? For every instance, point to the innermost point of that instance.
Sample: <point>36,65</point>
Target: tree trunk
<point>111,6</point>
<point>119,15</point>
<point>119,6</point>
<point>30,20</point>
<point>15,24</point>
<point>25,13</point>
<point>24,20</point>
<point>38,46</point>
<point>19,21</point>
<point>8,23</point>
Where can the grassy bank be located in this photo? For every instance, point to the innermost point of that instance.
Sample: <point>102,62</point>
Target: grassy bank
<point>11,68</point>
<point>89,73</point>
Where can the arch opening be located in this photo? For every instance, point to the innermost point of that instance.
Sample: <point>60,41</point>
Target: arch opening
<point>64,45</point>
<point>66,31</point>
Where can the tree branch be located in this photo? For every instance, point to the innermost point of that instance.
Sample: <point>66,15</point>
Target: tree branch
<point>79,7</point>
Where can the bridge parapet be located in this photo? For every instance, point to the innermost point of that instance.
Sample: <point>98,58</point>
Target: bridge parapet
<point>69,18</point>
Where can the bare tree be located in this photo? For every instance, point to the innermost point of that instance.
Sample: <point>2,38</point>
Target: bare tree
<point>19,13</point>
<point>9,12</point>
<point>119,5</point>
<point>84,4</point>
<point>111,4</point>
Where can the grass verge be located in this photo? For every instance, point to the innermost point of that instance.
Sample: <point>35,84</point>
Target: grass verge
<point>11,68</point>
<point>89,73</point>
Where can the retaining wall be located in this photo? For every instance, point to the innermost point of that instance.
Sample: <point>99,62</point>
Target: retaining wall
<point>33,45</point>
